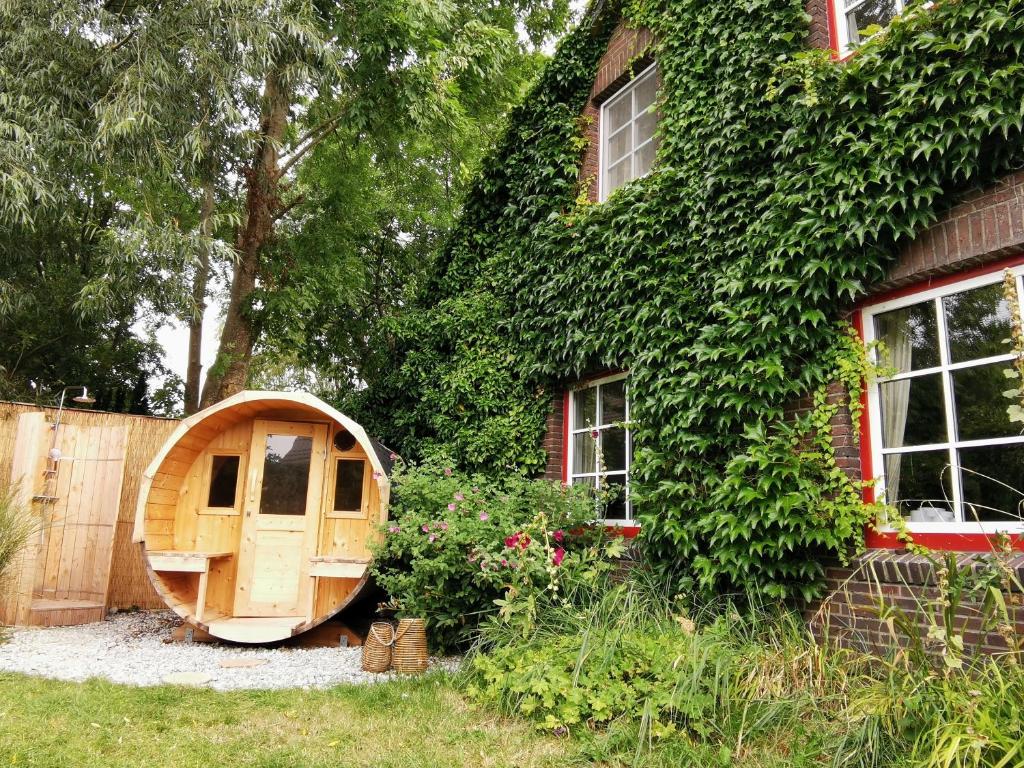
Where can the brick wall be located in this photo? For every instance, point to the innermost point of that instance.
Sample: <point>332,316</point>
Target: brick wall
<point>988,224</point>
<point>817,36</point>
<point>879,581</point>
<point>554,439</point>
<point>624,58</point>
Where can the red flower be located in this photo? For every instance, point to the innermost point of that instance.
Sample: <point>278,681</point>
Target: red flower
<point>559,536</point>
<point>511,541</point>
<point>559,556</point>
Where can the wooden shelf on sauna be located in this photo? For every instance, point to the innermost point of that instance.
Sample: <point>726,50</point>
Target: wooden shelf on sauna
<point>177,561</point>
<point>332,567</point>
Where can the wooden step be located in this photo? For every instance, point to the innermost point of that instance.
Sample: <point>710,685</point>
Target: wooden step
<point>255,630</point>
<point>47,612</point>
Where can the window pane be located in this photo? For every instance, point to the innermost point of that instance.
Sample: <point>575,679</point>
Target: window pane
<point>614,491</point>
<point>585,412</point>
<point>918,484</point>
<point>643,160</point>
<point>644,126</point>
<point>868,14</point>
<point>619,146</point>
<point>584,454</point>
<point>910,337</point>
<point>618,176</point>
<point>913,411</point>
<point>980,406</point>
<point>223,481</point>
<point>285,475</point>
<point>348,486</point>
<point>993,481</point>
<point>613,402</point>
<point>978,323</point>
<point>613,449</point>
<point>619,113</point>
<point>645,90</point>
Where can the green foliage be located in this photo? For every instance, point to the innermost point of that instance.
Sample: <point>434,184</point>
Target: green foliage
<point>459,547</point>
<point>726,688</point>
<point>785,183</point>
<point>16,526</point>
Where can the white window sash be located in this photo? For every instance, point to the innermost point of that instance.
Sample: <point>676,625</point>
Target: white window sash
<point>945,368</point>
<point>839,11</point>
<point>604,137</point>
<point>571,476</point>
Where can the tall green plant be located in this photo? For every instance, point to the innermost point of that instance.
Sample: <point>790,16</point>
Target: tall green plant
<point>16,526</point>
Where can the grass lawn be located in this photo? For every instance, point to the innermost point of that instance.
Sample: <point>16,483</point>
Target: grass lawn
<point>406,724</point>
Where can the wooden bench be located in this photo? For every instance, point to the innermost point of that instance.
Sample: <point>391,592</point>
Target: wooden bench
<point>188,562</point>
<point>331,567</point>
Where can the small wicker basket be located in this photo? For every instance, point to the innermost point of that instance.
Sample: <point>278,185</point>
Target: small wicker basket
<point>377,648</point>
<point>410,652</point>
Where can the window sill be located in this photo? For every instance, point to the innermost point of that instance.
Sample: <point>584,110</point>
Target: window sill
<point>954,539</point>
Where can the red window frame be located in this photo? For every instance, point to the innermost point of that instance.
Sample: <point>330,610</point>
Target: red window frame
<point>956,542</point>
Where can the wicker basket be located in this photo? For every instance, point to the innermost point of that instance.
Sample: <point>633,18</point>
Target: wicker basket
<point>410,653</point>
<point>377,648</point>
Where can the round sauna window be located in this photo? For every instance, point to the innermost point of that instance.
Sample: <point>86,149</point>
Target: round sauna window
<point>344,440</point>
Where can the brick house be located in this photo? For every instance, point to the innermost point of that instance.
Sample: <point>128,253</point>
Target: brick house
<point>927,439</point>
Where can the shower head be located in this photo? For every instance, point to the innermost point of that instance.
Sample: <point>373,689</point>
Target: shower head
<point>85,398</point>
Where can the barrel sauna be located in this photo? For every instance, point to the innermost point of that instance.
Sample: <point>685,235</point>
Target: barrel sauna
<point>255,516</point>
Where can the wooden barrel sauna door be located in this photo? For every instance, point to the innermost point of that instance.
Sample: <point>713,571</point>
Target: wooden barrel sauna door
<point>282,504</point>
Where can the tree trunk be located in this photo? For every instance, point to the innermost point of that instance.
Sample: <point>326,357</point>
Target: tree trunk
<point>195,323</point>
<point>229,373</point>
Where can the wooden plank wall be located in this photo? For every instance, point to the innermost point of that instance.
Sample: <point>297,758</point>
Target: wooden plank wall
<point>129,582</point>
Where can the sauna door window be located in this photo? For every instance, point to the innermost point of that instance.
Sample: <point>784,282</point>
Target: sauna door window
<point>286,465</point>
<point>222,492</point>
<point>349,476</point>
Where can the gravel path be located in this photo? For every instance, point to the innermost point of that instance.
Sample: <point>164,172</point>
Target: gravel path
<point>132,648</point>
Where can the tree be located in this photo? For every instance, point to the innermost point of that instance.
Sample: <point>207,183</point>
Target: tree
<point>176,97</point>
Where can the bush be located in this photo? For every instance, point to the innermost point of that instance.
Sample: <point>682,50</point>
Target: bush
<point>15,528</point>
<point>630,671</point>
<point>458,545</point>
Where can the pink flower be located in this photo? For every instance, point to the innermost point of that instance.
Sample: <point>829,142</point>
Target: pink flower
<point>504,562</point>
<point>459,496</point>
<point>483,566</point>
<point>512,541</point>
<point>559,556</point>
<point>447,471</point>
<point>451,507</point>
<point>393,456</point>
<point>431,538</point>
<point>484,516</point>
<point>595,433</point>
<point>425,528</point>
<point>559,536</point>
<point>394,529</point>
<point>376,475</point>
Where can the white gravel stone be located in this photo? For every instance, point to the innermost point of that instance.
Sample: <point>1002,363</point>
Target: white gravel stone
<point>133,648</point>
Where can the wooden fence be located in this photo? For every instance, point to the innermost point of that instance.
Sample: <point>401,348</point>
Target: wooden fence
<point>98,441</point>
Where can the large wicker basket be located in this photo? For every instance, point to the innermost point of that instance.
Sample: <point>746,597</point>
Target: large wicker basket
<point>377,648</point>
<point>410,651</point>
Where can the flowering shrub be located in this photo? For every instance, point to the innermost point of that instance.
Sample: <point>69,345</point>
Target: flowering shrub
<point>459,548</point>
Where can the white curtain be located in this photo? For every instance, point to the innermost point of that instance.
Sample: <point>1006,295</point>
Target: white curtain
<point>895,395</point>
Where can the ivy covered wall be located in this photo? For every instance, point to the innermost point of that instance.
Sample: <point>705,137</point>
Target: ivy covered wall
<point>785,183</point>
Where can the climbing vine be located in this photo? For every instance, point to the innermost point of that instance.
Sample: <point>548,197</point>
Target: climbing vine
<point>785,183</point>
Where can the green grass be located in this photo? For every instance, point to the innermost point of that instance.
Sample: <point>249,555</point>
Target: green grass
<point>405,724</point>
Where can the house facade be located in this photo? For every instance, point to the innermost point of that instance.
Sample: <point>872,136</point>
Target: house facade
<point>936,437</point>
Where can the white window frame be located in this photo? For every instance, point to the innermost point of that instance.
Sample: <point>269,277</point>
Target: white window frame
<point>575,429</point>
<point>946,369</point>
<point>629,91</point>
<point>839,11</point>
